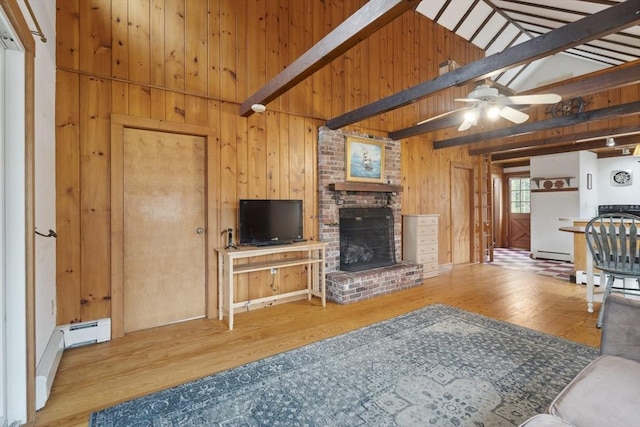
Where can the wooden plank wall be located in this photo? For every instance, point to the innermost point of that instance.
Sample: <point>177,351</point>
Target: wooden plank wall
<point>194,62</point>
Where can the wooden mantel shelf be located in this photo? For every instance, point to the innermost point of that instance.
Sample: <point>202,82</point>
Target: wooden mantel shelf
<point>567,179</point>
<point>365,186</point>
<point>552,190</point>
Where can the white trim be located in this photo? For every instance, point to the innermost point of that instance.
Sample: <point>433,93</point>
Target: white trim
<point>14,353</point>
<point>3,299</point>
<point>47,367</point>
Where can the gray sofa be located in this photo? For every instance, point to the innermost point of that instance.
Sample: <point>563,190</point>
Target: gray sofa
<point>607,391</point>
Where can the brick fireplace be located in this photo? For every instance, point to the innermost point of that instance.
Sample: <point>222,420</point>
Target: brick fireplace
<point>350,286</point>
<point>366,238</point>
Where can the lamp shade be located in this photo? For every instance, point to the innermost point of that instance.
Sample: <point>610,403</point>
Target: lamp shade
<point>636,151</point>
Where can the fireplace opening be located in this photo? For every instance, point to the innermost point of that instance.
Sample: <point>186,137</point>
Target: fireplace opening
<point>366,238</point>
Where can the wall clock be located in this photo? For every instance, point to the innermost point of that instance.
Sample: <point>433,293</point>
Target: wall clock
<point>620,178</point>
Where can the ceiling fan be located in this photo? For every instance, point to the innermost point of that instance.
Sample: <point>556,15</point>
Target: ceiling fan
<point>488,102</point>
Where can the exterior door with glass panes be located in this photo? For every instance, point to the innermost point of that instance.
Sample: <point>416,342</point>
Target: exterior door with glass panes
<point>519,213</point>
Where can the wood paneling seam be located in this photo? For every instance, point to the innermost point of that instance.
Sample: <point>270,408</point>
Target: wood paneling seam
<point>183,92</point>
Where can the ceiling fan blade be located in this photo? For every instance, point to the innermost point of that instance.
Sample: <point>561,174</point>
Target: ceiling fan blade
<point>439,116</point>
<point>542,98</point>
<point>465,125</point>
<point>466,99</point>
<point>513,115</point>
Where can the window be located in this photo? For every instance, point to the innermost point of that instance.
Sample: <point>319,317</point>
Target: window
<point>519,195</point>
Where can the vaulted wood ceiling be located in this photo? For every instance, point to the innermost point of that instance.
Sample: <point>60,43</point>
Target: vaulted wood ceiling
<point>495,25</point>
<point>516,35</point>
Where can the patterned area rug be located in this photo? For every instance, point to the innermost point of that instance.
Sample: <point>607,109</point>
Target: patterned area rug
<point>516,259</point>
<point>436,366</point>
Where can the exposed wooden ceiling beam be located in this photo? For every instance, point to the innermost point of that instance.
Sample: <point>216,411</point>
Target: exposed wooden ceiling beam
<point>482,24</point>
<point>598,81</point>
<point>594,26</point>
<point>365,21</point>
<point>455,119</point>
<point>536,29</point>
<point>465,16</point>
<point>565,148</point>
<point>549,8</point>
<point>521,12</point>
<point>556,122</point>
<point>609,78</point>
<point>517,163</point>
<point>518,146</point>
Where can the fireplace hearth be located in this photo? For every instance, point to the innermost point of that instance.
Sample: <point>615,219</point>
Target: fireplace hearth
<point>366,238</point>
<point>359,266</point>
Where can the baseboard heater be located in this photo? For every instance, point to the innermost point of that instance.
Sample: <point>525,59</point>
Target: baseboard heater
<point>559,256</point>
<point>66,336</point>
<point>77,334</point>
<point>627,283</point>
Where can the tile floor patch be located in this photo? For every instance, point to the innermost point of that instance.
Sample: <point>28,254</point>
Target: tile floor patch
<point>516,259</point>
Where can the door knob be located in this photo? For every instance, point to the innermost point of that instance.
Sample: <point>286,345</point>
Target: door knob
<point>199,230</point>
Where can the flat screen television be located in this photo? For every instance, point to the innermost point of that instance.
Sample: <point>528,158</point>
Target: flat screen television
<point>269,222</point>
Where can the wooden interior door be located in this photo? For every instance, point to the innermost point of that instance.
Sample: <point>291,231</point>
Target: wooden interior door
<point>461,214</point>
<point>498,226</point>
<point>519,231</point>
<point>164,224</point>
<point>518,213</point>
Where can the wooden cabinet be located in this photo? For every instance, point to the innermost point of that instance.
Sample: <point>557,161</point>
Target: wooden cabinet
<point>420,242</point>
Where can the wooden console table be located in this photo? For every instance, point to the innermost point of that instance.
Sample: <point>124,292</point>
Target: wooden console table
<point>310,254</point>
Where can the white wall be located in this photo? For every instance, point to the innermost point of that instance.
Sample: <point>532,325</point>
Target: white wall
<point>547,241</point>
<point>554,165</point>
<point>3,284</point>
<point>602,192</point>
<point>614,195</point>
<point>45,178</point>
<point>15,351</point>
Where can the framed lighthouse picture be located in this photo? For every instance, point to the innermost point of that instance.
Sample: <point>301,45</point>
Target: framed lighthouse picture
<point>364,160</point>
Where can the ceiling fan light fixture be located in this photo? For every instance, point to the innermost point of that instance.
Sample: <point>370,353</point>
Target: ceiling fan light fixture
<point>493,112</point>
<point>471,116</point>
<point>488,102</point>
<point>610,142</point>
<point>636,151</point>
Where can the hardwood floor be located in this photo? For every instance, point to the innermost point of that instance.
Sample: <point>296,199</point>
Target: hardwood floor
<point>98,376</point>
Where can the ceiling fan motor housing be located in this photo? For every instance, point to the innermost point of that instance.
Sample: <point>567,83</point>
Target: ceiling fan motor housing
<point>483,92</point>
